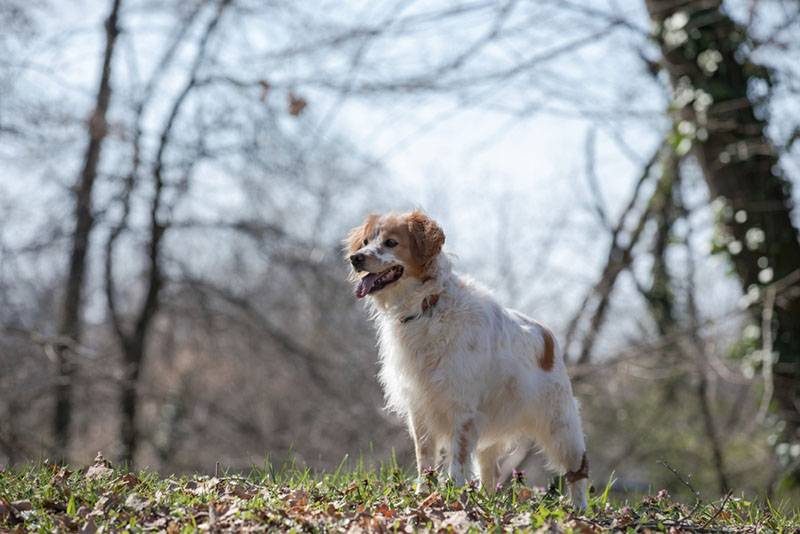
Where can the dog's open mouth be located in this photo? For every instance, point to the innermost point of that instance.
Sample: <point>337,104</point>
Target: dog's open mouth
<point>376,281</point>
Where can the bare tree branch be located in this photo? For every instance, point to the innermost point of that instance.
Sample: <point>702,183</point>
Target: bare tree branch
<point>70,322</point>
<point>133,343</point>
<point>619,256</point>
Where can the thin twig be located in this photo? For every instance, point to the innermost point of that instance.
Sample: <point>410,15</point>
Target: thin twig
<point>719,510</point>
<point>598,203</point>
<point>688,485</point>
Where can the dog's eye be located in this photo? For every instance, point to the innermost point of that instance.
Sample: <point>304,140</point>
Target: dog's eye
<point>391,243</point>
<point>366,242</point>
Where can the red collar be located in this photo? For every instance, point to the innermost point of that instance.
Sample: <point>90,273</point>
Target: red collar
<point>427,308</point>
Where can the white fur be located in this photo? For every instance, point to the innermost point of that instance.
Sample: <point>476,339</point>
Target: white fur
<point>466,376</point>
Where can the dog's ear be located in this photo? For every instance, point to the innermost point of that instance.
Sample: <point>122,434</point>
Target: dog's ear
<point>427,237</point>
<point>355,238</point>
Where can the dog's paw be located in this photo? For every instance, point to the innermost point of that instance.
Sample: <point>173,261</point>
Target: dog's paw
<point>579,501</point>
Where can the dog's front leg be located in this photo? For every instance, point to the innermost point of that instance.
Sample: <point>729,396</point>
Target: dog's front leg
<point>424,448</point>
<point>462,446</point>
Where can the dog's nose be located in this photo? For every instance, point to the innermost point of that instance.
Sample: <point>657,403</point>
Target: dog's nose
<point>357,260</point>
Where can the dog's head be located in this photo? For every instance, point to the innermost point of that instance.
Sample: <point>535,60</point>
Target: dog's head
<point>387,249</point>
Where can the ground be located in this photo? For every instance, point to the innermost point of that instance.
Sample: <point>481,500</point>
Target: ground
<point>99,497</point>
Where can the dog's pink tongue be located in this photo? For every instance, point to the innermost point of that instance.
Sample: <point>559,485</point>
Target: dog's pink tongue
<point>365,285</point>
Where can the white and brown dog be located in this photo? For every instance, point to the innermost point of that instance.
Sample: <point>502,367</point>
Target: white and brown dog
<point>471,377</point>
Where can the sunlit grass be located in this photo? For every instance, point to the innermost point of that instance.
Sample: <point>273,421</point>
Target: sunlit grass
<point>44,497</point>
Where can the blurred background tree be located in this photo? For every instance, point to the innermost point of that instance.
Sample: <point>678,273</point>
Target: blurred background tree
<point>179,175</point>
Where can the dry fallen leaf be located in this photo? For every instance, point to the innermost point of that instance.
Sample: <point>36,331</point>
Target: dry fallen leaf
<point>128,480</point>
<point>158,523</point>
<point>581,527</point>
<point>66,523</point>
<point>296,104</point>
<point>624,518</point>
<point>102,503</point>
<point>384,510</point>
<point>60,477</point>
<point>55,506</point>
<point>457,520</point>
<point>136,502</point>
<point>8,513</point>
<point>21,506</point>
<point>100,468</point>
<point>202,487</point>
<point>240,491</point>
<point>297,499</point>
<point>431,500</point>
<point>89,527</point>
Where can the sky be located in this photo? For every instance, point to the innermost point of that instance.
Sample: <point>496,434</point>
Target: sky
<point>510,188</point>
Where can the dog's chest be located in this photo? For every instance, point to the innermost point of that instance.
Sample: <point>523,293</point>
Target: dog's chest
<point>418,351</point>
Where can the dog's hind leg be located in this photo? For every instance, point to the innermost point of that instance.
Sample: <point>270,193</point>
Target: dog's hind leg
<point>487,466</point>
<point>562,440</point>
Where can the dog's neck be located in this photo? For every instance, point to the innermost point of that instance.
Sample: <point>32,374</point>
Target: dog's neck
<point>406,297</point>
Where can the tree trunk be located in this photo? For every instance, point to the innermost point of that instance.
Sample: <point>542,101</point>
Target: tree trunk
<point>702,52</point>
<point>70,324</point>
<point>129,436</point>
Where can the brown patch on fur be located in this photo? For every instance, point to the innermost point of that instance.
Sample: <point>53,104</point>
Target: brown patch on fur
<point>579,474</point>
<point>463,442</point>
<point>548,357</point>
<point>427,238</point>
<point>356,236</point>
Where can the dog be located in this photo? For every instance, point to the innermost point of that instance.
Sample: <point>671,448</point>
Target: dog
<point>472,378</point>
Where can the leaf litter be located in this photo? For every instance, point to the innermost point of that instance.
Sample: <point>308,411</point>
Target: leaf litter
<point>102,498</point>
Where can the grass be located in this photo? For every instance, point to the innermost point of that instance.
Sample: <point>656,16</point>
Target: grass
<point>47,497</point>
